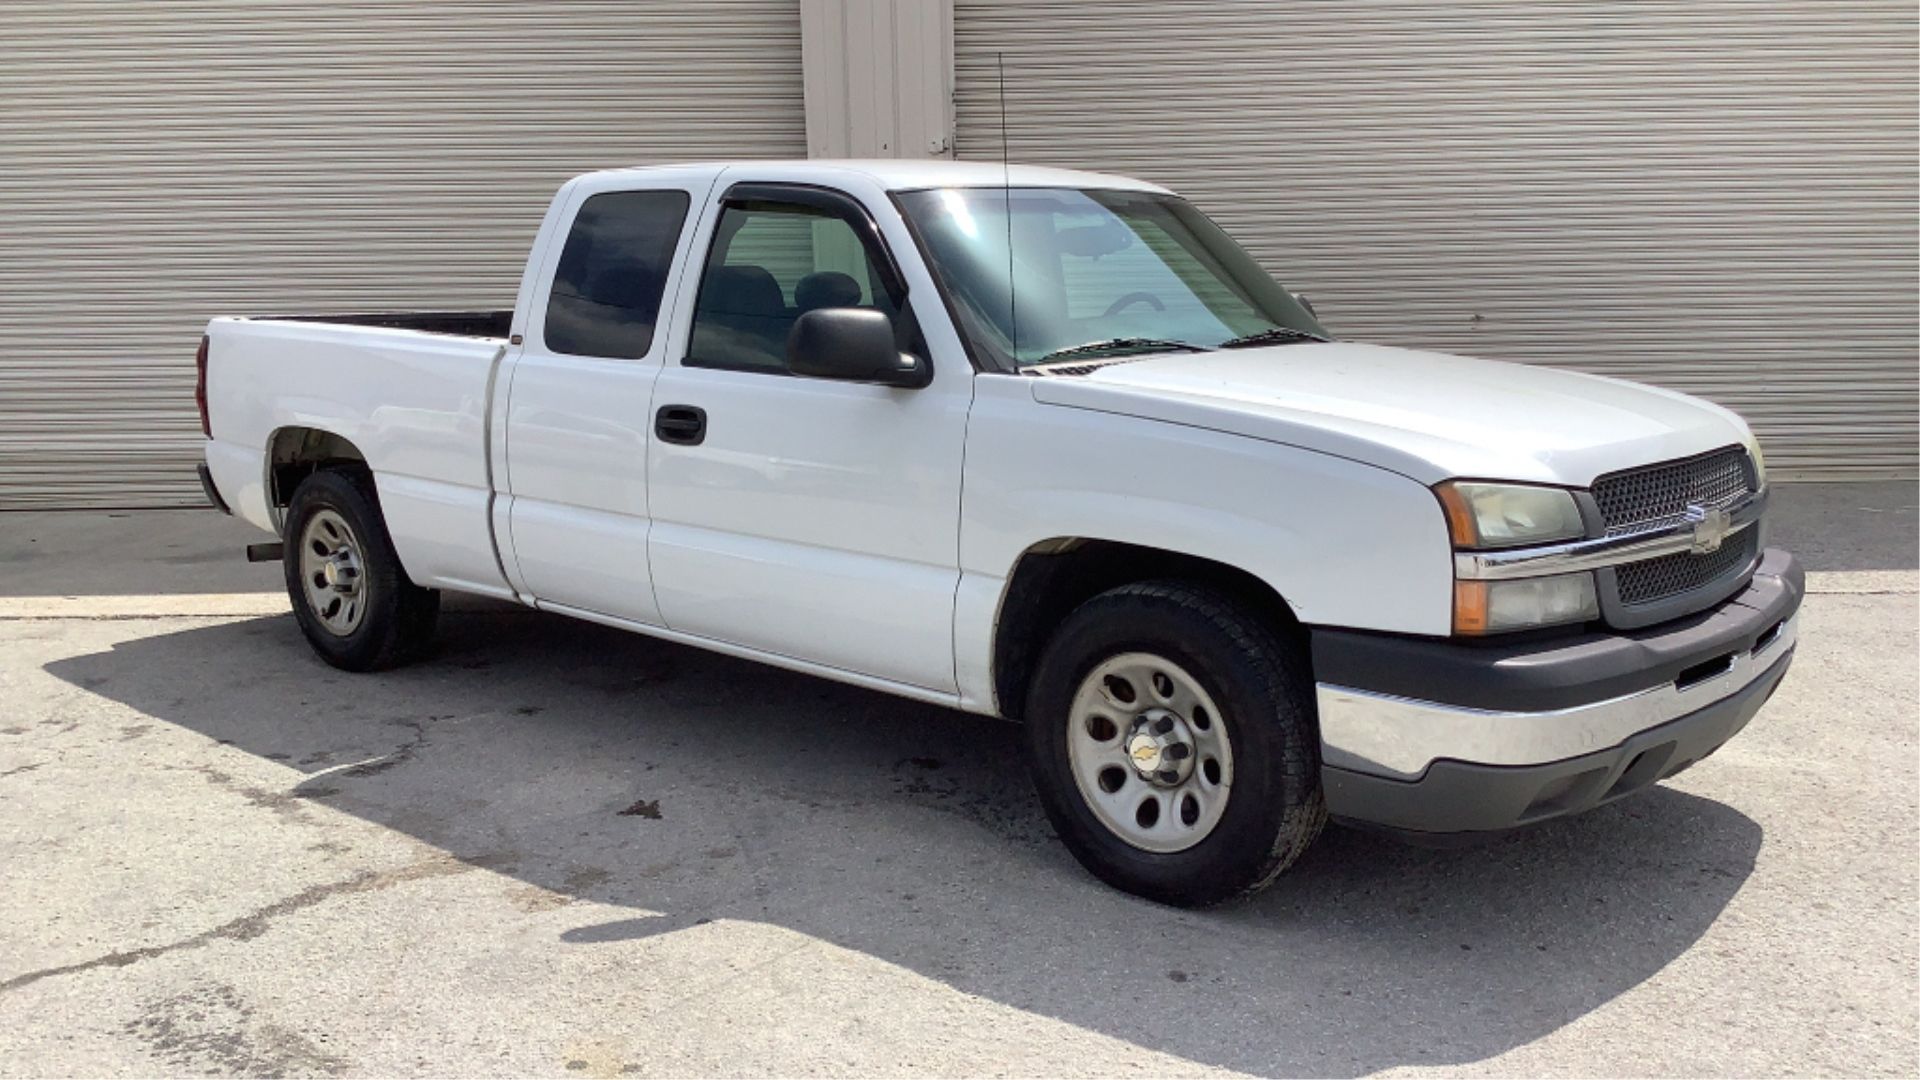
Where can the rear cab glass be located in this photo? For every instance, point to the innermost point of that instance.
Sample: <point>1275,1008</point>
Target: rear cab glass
<point>605,299</point>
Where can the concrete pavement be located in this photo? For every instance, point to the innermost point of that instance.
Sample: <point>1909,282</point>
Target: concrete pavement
<point>557,849</point>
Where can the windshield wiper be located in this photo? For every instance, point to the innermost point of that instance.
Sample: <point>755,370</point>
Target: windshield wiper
<point>1272,335</point>
<point>1120,345</point>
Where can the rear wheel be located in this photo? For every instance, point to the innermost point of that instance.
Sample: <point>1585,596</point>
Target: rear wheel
<point>1172,740</point>
<point>353,601</point>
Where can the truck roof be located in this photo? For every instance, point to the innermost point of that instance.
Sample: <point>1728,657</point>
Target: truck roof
<point>902,174</point>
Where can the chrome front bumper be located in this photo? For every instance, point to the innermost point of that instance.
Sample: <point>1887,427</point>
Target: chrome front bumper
<point>1436,736</point>
<point>1400,737</point>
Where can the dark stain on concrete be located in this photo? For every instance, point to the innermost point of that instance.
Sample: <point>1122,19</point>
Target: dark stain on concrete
<point>646,808</point>
<point>212,1029</point>
<point>583,878</point>
<point>1015,819</point>
<point>286,804</point>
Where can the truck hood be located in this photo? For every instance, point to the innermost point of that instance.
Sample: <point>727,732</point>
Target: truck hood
<point>1432,416</point>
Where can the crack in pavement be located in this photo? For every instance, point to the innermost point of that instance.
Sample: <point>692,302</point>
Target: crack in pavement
<point>257,922</point>
<point>396,757</point>
<point>292,804</point>
<point>11,613</point>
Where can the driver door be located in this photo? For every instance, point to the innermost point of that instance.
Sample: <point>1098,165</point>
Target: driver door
<point>811,518</point>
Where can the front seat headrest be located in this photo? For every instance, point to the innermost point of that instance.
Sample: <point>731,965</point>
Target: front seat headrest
<point>743,290</point>
<point>825,289</point>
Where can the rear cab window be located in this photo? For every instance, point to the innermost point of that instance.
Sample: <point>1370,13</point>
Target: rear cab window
<point>605,298</point>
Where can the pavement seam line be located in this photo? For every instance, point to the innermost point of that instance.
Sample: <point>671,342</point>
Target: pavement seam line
<point>256,614</point>
<point>257,922</point>
<point>729,978</point>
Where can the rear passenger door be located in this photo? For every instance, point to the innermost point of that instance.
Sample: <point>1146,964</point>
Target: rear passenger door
<point>812,518</point>
<point>577,402</point>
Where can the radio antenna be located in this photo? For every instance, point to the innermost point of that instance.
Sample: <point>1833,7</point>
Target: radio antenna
<point>1006,192</point>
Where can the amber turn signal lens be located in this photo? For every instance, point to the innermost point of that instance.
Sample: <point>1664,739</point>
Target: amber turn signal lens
<point>1460,522</point>
<point>1470,607</point>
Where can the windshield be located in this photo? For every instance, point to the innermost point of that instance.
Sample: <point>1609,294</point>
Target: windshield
<point>1097,273</point>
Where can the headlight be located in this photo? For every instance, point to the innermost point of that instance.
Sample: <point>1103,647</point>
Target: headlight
<point>1489,607</point>
<point>1759,461</point>
<point>1507,515</point>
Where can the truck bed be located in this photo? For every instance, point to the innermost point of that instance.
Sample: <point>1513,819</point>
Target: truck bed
<point>475,324</point>
<point>410,392</point>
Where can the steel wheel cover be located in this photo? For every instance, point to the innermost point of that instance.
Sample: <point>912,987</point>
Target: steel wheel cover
<point>333,573</point>
<point>1150,752</point>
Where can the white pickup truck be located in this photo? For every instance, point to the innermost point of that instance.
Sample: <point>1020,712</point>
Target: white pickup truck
<point>1044,445</point>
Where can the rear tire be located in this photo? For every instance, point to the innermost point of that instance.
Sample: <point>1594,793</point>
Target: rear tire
<point>1171,735</point>
<point>352,599</point>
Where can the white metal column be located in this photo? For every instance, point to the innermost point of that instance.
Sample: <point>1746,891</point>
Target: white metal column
<point>879,78</point>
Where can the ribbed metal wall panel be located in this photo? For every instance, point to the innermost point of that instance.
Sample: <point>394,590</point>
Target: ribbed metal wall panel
<point>1718,197</point>
<point>163,163</point>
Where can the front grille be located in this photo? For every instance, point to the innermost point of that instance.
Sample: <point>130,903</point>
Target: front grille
<point>1658,495</point>
<point>1651,580</point>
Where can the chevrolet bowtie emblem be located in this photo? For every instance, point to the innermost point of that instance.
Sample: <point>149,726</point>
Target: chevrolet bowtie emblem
<point>1710,527</point>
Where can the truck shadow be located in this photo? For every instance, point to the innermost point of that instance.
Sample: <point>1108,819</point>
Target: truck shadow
<point>596,765</point>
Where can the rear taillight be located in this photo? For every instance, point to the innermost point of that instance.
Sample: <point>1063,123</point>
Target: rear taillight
<point>200,387</point>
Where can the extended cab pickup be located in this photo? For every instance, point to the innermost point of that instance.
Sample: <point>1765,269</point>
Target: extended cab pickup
<point>1049,446</point>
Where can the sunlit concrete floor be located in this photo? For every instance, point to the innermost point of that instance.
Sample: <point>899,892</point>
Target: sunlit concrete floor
<point>558,849</point>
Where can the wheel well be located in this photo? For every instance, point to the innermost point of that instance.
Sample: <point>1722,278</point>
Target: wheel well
<point>296,452</point>
<point>1056,576</point>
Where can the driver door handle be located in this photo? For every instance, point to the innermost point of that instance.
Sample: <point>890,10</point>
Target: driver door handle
<point>684,425</point>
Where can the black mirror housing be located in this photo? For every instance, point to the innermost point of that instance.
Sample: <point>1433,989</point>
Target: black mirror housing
<point>854,344</point>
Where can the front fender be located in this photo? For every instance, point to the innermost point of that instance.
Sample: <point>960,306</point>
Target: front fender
<point>1344,543</point>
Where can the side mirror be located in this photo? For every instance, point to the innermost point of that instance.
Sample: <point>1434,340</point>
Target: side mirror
<point>1301,299</point>
<point>855,344</point>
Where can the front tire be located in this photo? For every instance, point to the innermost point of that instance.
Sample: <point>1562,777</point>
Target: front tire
<point>353,601</point>
<point>1172,740</point>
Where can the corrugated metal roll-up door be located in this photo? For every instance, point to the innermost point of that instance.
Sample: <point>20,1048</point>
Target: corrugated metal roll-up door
<point>1718,197</point>
<point>163,163</point>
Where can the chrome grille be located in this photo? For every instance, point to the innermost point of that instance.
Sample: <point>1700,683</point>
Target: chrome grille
<point>1652,580</point>
<point>1658,495</point>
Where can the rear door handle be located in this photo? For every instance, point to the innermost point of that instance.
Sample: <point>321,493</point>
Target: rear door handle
<point>682,424</point>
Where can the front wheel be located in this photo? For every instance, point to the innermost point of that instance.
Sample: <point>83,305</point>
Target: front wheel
<point>1172,740</point>
<point>354,602</point>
